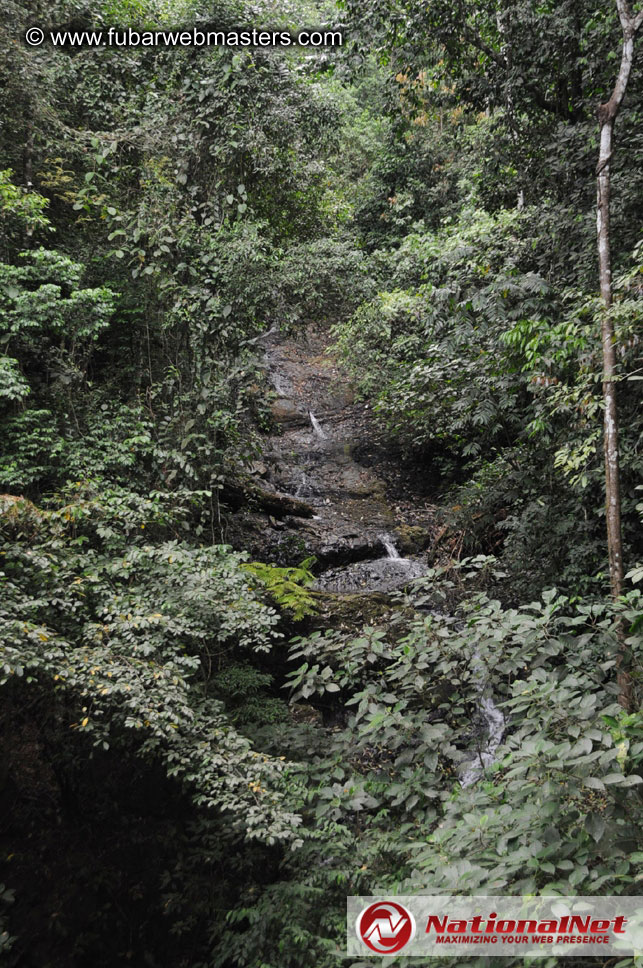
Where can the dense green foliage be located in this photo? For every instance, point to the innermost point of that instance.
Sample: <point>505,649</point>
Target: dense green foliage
<point>173,788</point>
<point>482,352</point>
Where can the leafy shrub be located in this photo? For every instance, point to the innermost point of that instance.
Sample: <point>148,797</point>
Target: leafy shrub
<point>122,633</point>
<point>384,810</point>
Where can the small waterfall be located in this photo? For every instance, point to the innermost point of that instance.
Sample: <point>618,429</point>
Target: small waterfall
<point>389,546</point>
<point>280,386</point>
<point>303,487</point>
<point>316,425</point>
<point>494,729</point>
<point>386,573</point>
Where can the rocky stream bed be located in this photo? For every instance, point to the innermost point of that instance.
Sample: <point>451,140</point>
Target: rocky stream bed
<point>341,504</point>
<point>327,489</point>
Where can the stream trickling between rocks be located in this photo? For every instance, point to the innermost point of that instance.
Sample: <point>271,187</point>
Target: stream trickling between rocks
<point>362,544</point>
<point>488,737</point>
<point>316,426</point>
<point>389,547</point>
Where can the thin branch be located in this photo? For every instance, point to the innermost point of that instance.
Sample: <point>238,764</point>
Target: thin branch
<point>476,40</point>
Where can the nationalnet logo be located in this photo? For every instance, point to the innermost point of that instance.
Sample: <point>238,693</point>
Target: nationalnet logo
<point>385,927</point>
<point>453,926</point>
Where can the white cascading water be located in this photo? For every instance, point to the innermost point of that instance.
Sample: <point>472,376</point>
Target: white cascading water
<point>303,486</point>
<point>389,547</point>
<point>494,729</point>
<point>316,425</point>
<point>494,721</point>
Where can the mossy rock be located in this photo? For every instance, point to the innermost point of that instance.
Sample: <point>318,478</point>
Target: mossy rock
<point>349,611</point>
<point>412,539</point>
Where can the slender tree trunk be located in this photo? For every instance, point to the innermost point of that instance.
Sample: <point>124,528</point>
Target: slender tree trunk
<point>610,430</point>
<point>576,106</point>
<point>27,165</point>
<point>504,29</point>
<point>607,117</point>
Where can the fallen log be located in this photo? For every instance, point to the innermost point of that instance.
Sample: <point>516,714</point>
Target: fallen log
<point>247,493</point>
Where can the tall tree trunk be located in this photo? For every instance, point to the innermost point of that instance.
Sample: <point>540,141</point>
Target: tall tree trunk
<point>607,117</point>
<point>612,477</point>
<point>576,106</point>
<point>504,30</point>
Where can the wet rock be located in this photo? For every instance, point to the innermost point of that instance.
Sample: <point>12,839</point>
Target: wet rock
<point>342,549</point>
<point>352,611</point>
<point>248,494</point>
<point>411,539</point>
<point>258,468</point>
<point>286,412</point>
<point>381,575</point>
<point>323,501</point>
